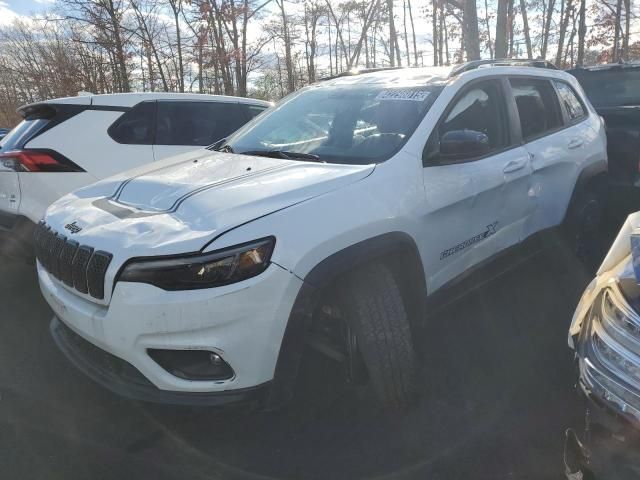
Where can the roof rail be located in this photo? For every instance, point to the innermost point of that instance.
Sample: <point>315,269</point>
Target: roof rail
<point>501,62</point>
<point>359,71</point>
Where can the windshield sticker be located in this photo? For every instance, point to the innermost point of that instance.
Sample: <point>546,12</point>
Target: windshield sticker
<point>410,94</point>
<point>491,229</point>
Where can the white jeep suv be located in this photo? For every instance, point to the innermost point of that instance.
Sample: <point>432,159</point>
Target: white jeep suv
<point>66,143</point>
<point>200,278</point>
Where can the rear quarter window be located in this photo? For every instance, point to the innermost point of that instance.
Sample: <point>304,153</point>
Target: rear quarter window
<point>22,133</point>
<point>135,127</point>
<point>197,123</point>
<point>570,102</point>
<point>254,110</point>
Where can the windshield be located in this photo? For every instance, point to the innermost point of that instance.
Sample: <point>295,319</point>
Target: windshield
<point>611,88</point>
<point>357,124</point>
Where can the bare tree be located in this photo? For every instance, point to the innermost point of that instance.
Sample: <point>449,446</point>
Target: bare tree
<point>565,14</point>
<point>106,18</point>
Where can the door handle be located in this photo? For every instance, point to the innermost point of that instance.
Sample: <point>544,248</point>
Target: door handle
<point>514,166</point>
<point>575,143</point>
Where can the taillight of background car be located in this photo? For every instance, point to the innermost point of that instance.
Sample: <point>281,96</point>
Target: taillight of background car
<point>37,161</point>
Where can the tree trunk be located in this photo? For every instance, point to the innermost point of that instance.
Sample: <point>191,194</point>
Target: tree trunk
<point>627,26</point>
<point>616,34</point>
<point>471,35</point>
<point>406,37</point>
<point>120,59</point>
<point>434,32</point>
<point>392,35</point>
<point>447,60</point>
<point>525,27</point>
<point>441,32</point>
<point>501,29</point>
<point>413,34</point>
<point>564,23</point>
<point>176,6</point>
<point>582,32</point>
<point>488,27</point>
<point>510,27</point>
<point>288,59</point>
<point>330,54</point>
<point>546,29</point>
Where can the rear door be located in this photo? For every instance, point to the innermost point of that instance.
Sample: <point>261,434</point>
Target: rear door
<point>552,147</point>
<point>183,126</point>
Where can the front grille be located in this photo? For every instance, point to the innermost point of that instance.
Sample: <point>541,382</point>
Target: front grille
<point>76,265</point>
<point>99,359</point>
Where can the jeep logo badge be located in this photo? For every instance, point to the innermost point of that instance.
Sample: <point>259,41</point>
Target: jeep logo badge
<point>73,227</point>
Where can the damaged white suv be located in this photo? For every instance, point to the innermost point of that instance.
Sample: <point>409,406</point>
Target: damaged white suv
<point>199,279</point>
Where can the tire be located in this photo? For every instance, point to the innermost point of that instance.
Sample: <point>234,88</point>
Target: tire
<point>583,227</point>
<point>374,310</point>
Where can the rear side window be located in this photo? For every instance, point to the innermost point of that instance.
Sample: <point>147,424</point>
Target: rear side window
<point>196,123</point>
<point>135,127</point>
<point>254,110</point>
<point>22,133</point>
<point>569,101</point>
<point>537,107</point>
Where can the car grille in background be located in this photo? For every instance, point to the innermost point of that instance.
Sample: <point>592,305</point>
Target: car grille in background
<point>78,266</point>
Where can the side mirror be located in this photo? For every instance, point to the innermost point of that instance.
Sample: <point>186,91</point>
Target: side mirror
<point>463,144</point>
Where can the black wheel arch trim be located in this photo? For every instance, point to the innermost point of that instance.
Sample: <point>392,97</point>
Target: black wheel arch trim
<point>387,245</point>
<point>590,172</point>
<point>597,170</point>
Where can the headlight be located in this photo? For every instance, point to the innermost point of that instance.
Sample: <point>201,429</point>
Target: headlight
<point>205,270</point>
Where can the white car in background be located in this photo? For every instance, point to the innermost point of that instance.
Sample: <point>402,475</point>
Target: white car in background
<point>66,143</point>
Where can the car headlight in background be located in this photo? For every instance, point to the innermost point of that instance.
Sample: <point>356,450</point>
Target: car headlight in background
<point>206,270</point>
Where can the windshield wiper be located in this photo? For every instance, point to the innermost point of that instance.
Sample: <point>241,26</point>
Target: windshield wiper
<point>284,154</point>
<point>220,146</point>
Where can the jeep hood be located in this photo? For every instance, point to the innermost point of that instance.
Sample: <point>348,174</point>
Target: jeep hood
<point>180,204</point>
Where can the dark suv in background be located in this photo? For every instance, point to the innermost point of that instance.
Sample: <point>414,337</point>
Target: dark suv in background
<point>614,91</point>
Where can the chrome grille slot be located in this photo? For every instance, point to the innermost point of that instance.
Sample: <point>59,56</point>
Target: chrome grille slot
<point>96,269</point>
<point>65,261</point>
<point>75,265</point>
<point>79,268</point>
<point>56,247</point>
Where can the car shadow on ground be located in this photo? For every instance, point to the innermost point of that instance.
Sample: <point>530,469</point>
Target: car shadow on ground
<point>496,383</point>
<point>496,380</point>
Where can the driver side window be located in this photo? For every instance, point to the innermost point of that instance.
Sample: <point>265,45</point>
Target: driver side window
<point>472,127</point>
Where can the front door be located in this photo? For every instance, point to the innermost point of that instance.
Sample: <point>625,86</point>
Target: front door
<point>475,203</point>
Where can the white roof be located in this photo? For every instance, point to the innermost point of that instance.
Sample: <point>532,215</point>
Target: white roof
<point>130,99</point>
<point>424,75</point>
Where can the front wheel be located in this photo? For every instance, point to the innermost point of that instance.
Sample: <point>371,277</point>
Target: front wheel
<point>374,310</point>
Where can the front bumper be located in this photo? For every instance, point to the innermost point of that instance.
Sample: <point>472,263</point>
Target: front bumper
<point>243,323</point>
<point>124,379</point>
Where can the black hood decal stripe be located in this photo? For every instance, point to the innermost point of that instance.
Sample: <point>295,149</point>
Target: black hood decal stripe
<point>115,198</point>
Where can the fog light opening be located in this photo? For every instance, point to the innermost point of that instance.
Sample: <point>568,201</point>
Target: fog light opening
<point>192,364</point>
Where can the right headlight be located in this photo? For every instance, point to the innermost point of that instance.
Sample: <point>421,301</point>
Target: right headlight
<point>206,270</point>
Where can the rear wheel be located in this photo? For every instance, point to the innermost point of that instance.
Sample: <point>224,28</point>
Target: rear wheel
<point>583,227</point>
<point>379,333</point>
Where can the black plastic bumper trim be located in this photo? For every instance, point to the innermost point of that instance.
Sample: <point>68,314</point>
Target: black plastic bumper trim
<point>141,389</point>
